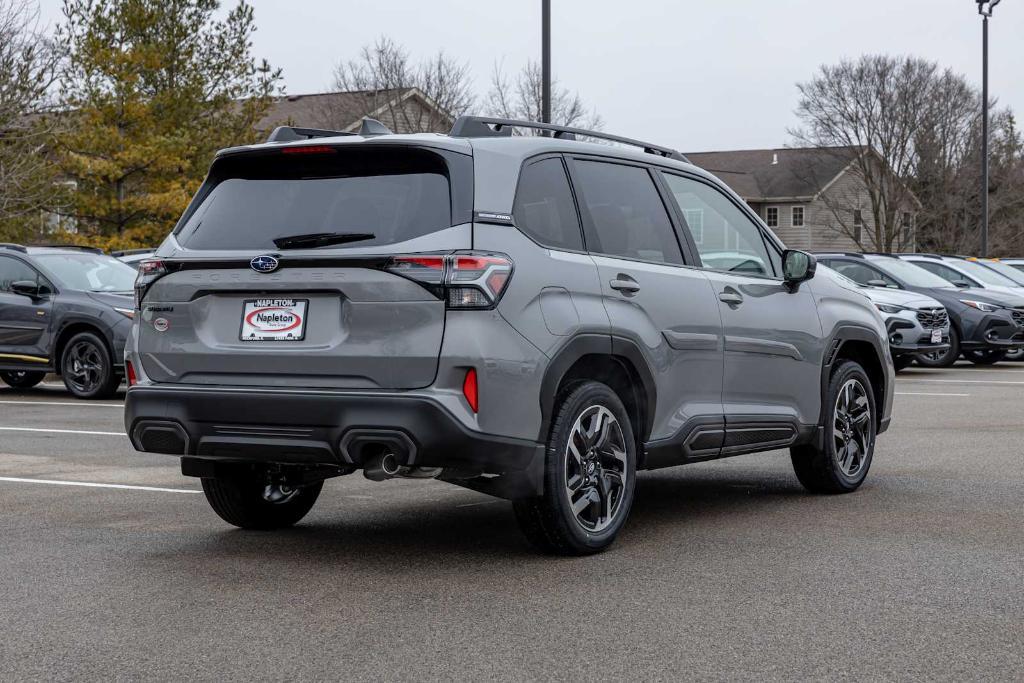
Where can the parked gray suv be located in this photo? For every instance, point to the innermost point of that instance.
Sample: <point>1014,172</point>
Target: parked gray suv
<point>526,316</point>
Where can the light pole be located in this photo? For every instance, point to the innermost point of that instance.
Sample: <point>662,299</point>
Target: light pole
<point>545,61</point>
<point>985,8</point>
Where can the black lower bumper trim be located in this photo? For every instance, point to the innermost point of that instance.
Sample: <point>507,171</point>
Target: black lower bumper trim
<point>318,429</point>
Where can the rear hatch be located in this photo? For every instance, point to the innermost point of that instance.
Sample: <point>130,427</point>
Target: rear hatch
<point>231,307</point>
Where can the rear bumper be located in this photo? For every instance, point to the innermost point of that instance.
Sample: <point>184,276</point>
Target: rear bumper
<point>316,428</point>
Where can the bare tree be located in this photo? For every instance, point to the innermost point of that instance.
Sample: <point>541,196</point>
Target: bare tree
<point>28,64</point>
<point>520,97</point>
<point>871,110</point>
<point>387,76</point>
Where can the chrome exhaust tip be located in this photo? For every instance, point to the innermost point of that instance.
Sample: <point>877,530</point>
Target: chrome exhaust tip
<point>381,467</point>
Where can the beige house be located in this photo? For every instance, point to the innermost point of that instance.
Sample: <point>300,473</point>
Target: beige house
<point>812,198</point>
<point>405,110</point>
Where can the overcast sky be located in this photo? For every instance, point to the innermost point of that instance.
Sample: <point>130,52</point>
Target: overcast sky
<point>692,74</point>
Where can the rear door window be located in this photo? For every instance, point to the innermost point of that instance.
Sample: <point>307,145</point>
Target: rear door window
<point>627,217</point>
<point>544,208</point>
<point>396,195</point>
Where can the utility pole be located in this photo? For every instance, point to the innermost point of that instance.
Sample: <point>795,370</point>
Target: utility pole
<point>985,8</point>
<point>545,61</point>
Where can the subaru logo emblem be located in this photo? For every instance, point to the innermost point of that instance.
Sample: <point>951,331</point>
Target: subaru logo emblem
<point>264,264</point>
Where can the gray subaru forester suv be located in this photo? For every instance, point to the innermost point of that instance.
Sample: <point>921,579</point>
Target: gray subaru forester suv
<point>527,316</point>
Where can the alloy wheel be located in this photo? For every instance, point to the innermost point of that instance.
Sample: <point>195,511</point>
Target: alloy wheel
<point>852,431</point>
<point>85,367</point>
<point>595,468</point>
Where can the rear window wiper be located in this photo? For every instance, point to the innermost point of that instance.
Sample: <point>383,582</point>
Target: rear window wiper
<point>321,239</point>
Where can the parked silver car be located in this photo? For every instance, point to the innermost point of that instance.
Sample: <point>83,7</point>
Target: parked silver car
<point>916,322</point>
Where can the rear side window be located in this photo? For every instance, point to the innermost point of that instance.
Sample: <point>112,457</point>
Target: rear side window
<point>544,208</point>
<point>396,195</point>
<point>629,219</point>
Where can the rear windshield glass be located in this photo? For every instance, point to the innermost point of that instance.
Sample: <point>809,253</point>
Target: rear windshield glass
<point>396,195</point>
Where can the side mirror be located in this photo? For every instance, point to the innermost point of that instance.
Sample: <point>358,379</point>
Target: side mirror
<point>877,283</point>
<point>26,288</point>
<point>798,266</point>
<point>962,284</point>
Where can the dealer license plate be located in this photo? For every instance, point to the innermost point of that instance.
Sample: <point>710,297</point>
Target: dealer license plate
<point>936,336</point>
<point>274,320</point>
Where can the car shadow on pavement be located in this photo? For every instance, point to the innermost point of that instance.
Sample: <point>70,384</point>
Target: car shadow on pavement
<point>386,535</point>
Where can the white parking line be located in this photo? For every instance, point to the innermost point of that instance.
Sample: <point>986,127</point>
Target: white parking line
<point>60,431</point>
<point>957,381</point>
<point>922,393</point>
<point>90,484</point>
<point>83,404</point>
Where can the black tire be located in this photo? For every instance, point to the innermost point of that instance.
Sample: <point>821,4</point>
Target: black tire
<point>902,362</point>
<point>831,468</point>
<point>985,356</point>
<point>605,475</point>
<point>249,503</point>
<point>87,367</point>
<point>945,359</point>
<point>22,379</point>
<point>1015,355</point>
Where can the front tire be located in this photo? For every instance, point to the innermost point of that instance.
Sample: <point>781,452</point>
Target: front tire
<point>985,356</point>
<point>251,503</point>
<point>589,477</point>
<point>849,435</point>
<point>22,379</point>
<point>943,359</point>
<point>87,367</point>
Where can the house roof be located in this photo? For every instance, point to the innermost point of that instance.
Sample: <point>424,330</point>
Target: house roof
<point>332,110</point>
<point>764,174</point>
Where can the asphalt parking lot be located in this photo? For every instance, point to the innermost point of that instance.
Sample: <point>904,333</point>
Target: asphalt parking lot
<point>725,570</point>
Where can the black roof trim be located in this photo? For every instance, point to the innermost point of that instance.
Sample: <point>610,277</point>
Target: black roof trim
<point>481,127</point>
<point>75,247</point>
<point>13,247</point>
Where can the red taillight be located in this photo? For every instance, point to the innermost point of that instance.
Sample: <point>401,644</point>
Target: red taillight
<point>466,279</point>
<point>150,271</point>
<point>469,389</point>
<point>309,149</point>
<point>129,371</point>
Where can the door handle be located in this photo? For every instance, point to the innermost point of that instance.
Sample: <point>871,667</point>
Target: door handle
<point>731,298</point>
<point>625,284</point>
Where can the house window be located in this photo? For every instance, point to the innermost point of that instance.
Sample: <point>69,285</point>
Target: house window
<point>771,216</point>
<point>798,216</point>
<point>908,229</point>
<point>858,225</point>
<point>695,221</point>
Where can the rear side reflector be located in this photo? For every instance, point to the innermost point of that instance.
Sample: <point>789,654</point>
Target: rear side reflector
<point>129,373</point>
<point>469,389</point>
<point>468,280</point>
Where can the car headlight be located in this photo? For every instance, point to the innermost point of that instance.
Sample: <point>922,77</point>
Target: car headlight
<point>126,312</point>
<point>982,305</point>
<point>889,308</point>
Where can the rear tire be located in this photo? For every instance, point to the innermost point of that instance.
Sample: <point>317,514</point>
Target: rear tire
<point>849,435</point>
<point>902,362</point>
<point>985,356</point>
<point>589,477</point>
<point>22,379</point>
<point>251,503</point>
<point>87,367</point>
<point>946,358</point>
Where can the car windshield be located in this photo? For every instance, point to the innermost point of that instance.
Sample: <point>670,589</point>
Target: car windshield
<point>1005,270</point>
<point>989,277</point>
<point>88,272</point>
<point>915,276</point>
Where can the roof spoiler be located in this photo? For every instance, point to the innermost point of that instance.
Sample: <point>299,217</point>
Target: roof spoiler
<point>485,126</point>
<point>367,128</point>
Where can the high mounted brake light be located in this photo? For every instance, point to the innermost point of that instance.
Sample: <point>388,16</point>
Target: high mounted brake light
<point>466,280</point>
<point>309,149</point>
<point>150,271</point>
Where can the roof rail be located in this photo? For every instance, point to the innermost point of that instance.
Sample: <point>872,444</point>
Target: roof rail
<point>77,247</point>
<point>293,134</point>
<point>854,254</point>
<point>14,247</point>
<point>920,253</point>
<point>481,127</point>
<point>130,252</point>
